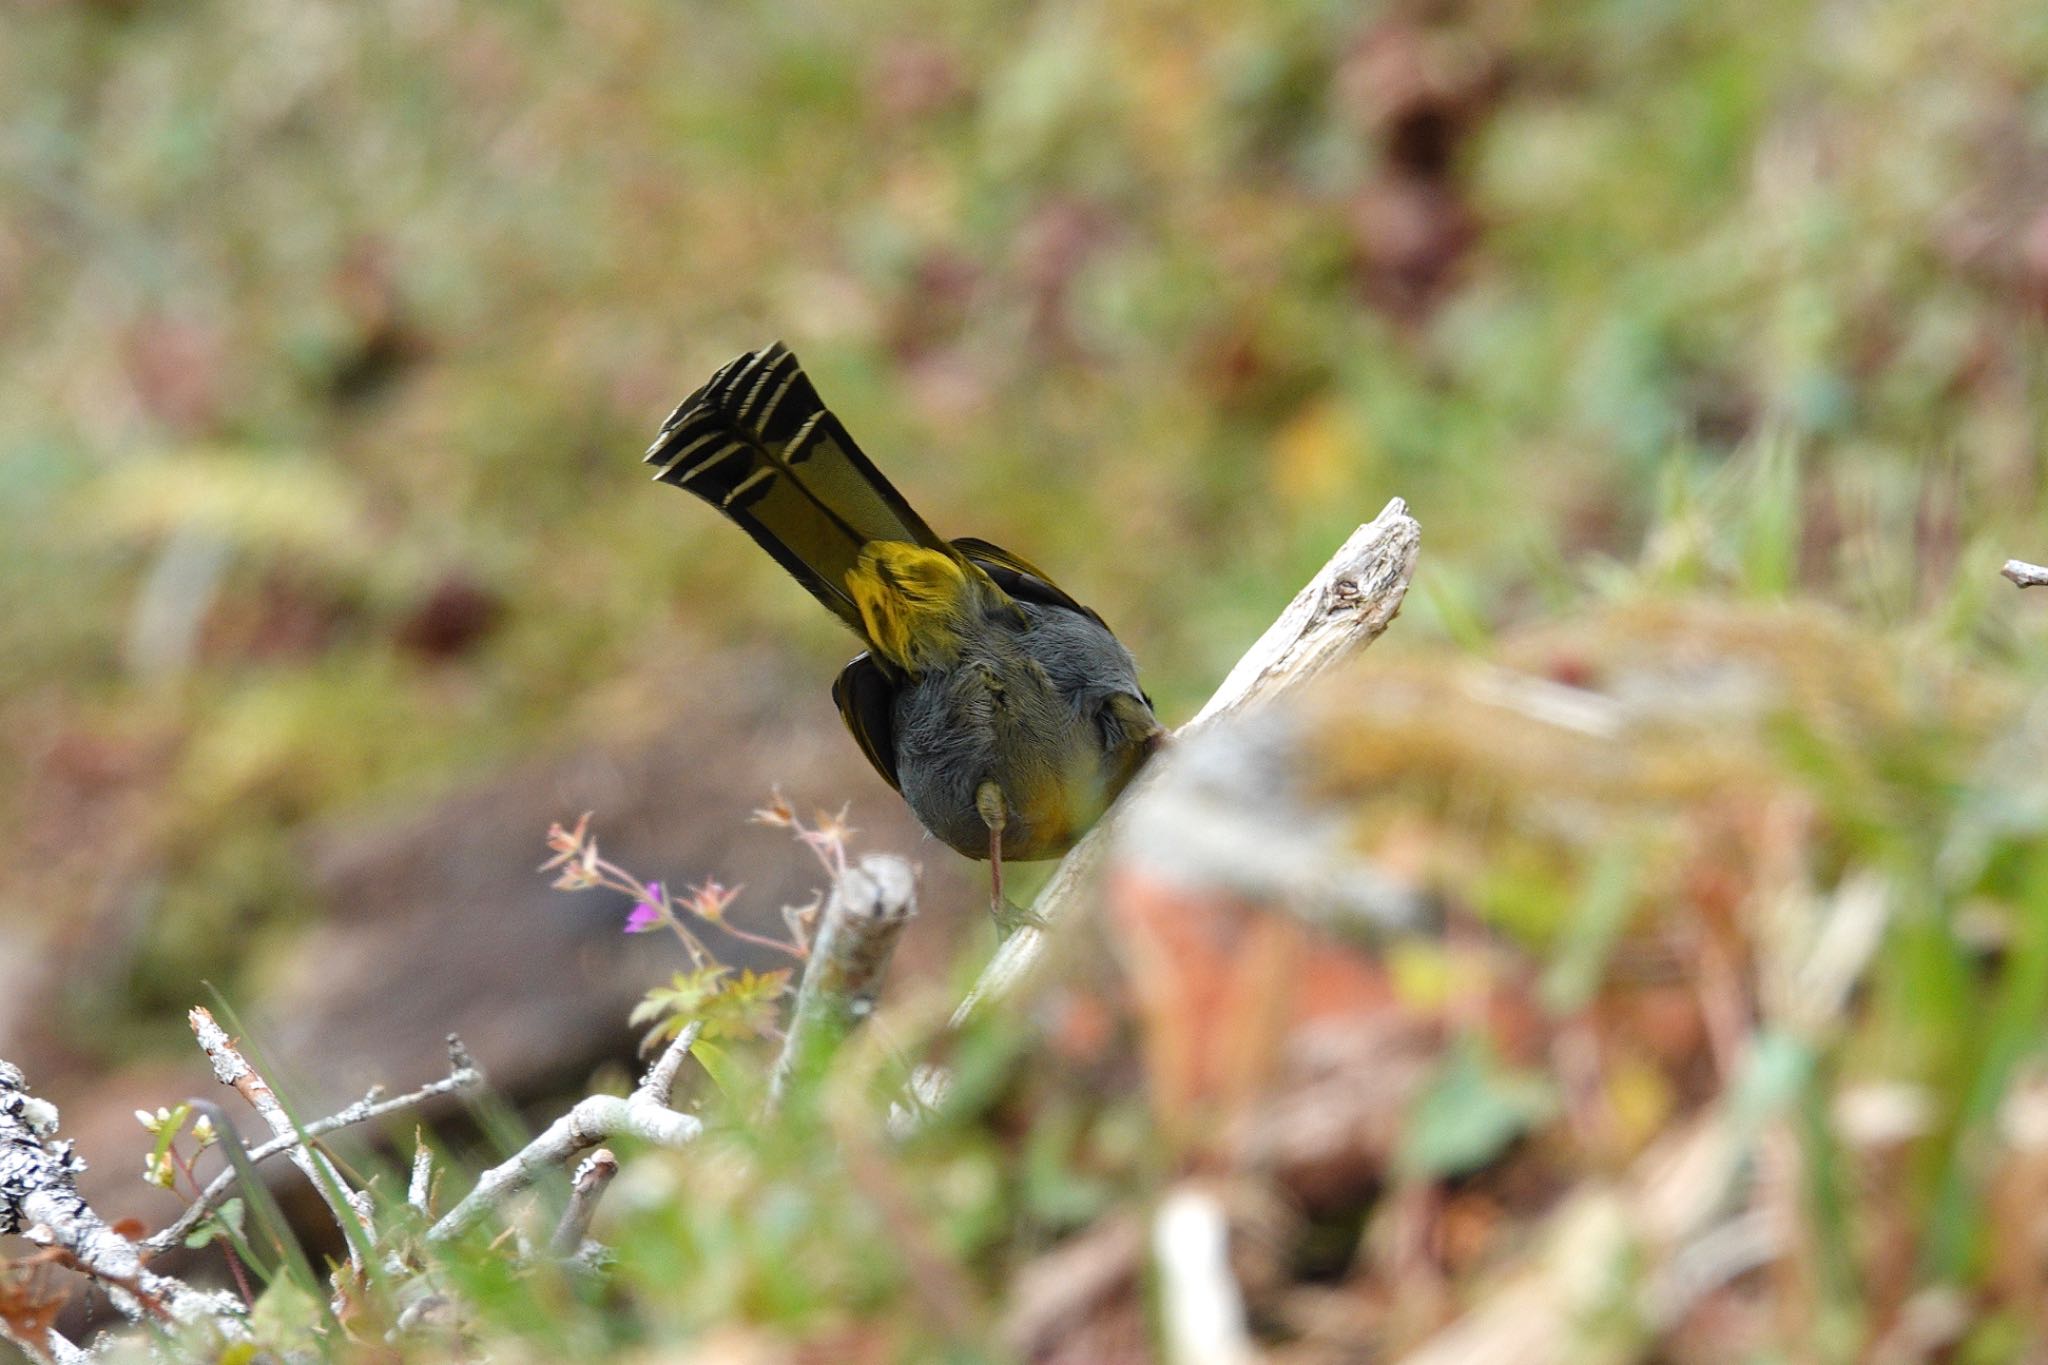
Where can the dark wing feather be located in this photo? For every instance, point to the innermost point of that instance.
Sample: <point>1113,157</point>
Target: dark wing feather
<point>1020,578</point>
<point>866,696</point>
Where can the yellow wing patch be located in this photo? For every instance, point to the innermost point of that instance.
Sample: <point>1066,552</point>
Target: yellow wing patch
<point>911,600</point>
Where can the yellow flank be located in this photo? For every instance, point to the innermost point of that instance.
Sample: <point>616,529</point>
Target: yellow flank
<point>910,601</point>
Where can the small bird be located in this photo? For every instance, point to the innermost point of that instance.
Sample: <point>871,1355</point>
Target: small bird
<point>1005,712</point>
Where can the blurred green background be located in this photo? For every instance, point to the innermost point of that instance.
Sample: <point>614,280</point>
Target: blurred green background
<point>330,335</point>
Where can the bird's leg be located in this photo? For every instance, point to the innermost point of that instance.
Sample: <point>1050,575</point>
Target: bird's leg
<point>995,813</point>
<point>997,902</point>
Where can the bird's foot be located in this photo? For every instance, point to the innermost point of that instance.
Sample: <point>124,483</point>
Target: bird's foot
<point>1010,917</point>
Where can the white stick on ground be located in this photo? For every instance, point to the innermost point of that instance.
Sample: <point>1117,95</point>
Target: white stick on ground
<point>39,1200</point>
<point>1348,604</point>
<point>863,919</point>
<point>463,1074</point>
<point>1201,1309</point>
<point>232,1069</point>
<point>644,1114</point>
<point>2025,575</point>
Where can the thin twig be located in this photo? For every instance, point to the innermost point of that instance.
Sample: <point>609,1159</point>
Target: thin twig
<point>44,1343</point>
<point>658,1087</point>
<point>1348,604</point>
<point>419,1191</point>
<point>351,1209</point>
<point>463,1075</point>
<point>53,1348</point>
<point>39,1352</point>
<point>865,916</point>
<point>593,1176</point>
<point>2025,575</point>
<point>645,1114</point>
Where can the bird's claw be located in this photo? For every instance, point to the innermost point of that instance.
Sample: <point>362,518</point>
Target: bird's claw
<point>1009,917</point>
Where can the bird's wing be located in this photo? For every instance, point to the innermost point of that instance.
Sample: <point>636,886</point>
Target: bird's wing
<point>866,696</point>
<point>1020,578</point>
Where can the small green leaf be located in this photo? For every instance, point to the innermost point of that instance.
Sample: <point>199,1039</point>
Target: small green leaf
<point>1777,1069</point>
<point>225,1221</point>
<point>1472,1109</point>
<point>731,1079</point>
<point>738,1008</point>
<point>747,1008</point>
<point>685,996</point>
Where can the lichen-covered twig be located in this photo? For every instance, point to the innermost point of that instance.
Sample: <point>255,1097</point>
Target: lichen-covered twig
<point>1348,604</point>
<point>869,906</point>
<point>2025,575</point>
<point>463,1074</point>
<point>645,1114</point>
<point>39,1200</point>
<point>351,1208</point>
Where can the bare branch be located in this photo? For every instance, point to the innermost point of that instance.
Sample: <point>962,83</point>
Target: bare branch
<point>869,907</point>
<point>658,1087</point>
<point>463,1075</point>
<point>645,1114</point>
<point>593,1176</point>
<point>39,1200</point>
<point>233,1069</point>
<point>2025,575</point>
<point>1348,604</point>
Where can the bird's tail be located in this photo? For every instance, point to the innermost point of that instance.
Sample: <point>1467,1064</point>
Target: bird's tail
<point>757,443</point>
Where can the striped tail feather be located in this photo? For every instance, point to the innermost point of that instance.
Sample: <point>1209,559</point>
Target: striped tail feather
<point>757,443</point>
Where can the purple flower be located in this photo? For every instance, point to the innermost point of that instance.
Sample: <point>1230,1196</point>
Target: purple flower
<point>647,914</point>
